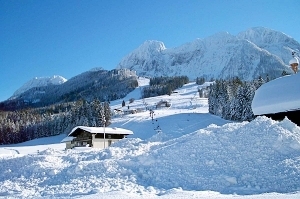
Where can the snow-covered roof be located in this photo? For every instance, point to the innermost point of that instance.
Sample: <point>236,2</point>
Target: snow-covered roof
<point>279,95</point>
<point>125,108</point>
<point>108,130</point>
<point>294,60</point>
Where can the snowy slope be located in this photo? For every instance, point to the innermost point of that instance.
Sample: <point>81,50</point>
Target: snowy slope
<point>253,53</point>
<point>243,158</point>
<point>87,85</point>
<point>279,95</point>
<point>39,82</point>
<point>192,155</point>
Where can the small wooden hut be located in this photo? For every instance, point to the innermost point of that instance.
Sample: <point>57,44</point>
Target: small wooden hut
<point>96,137</point>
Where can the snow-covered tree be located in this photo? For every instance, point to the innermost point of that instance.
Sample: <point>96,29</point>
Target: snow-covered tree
<point>231,99</point>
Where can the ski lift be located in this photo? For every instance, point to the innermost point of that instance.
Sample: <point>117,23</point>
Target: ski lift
<point>294,62</point>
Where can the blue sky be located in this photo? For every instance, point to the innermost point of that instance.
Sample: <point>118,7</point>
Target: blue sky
<point>41,38</point>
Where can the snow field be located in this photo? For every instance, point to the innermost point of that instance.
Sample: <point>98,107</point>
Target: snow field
<point>193,155</point>
<point>243,158</point>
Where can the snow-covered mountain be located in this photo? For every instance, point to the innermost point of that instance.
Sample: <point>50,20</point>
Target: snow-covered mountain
<point>253,53</point>
<point>39,82</point>
<point>275,42</point>
<point>95,83</point>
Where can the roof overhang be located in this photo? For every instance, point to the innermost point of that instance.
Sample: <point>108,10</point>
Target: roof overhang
<point>107,130</point>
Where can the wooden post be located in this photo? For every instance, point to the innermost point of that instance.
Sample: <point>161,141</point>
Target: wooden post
<point>294,67</point>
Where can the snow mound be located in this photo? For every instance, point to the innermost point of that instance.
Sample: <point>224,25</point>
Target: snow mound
<point>256,157</point>
<point>244,158</point>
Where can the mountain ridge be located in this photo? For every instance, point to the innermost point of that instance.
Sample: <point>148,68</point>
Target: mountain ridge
<point>39,82</point>
<point>252,53</point>
<point>101,84</point>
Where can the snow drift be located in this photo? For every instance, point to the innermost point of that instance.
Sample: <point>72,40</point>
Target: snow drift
<point>244,158</point>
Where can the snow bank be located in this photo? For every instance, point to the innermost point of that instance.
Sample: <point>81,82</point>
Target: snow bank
<point>260,156</point>
<point>244,158</point>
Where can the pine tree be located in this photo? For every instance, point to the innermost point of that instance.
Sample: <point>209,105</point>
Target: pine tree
<point>232,99</point>
<point>107,113</point>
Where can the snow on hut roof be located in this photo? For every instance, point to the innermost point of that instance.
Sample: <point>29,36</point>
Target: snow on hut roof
<point>108,130</point>
<point>294,60</point>
<point>279,95</point>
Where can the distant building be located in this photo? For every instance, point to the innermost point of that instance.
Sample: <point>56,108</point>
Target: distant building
<point>125,110</point>
<point>204,89</point>
<point>83,136</point>
<point>163,103</point>
<point>126,72</point>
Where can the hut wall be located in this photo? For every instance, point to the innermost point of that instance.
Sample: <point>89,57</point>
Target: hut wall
<point>99,142</point>
<point>69,145</point>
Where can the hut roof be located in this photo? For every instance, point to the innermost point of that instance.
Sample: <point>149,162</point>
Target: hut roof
<point>279,95</point>
<point>108,130</point>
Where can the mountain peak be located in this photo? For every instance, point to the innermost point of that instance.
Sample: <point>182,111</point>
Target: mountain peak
<point>149,49</point>
<point>97,69</point>
<point>39,82</point>
<point>262,35</point>
<point>152,46</point>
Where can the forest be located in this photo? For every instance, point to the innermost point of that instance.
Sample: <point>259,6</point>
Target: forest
<point>27,124</point>
<point>231,99</point>
<point>52,110</point>
<point>164,85</point>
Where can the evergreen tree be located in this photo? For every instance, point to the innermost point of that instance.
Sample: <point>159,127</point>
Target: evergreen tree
<point>232,99</point>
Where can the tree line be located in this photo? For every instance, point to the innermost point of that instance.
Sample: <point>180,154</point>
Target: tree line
<point>31,123</point>
<point>232,99</point>
<point>163,85</point>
